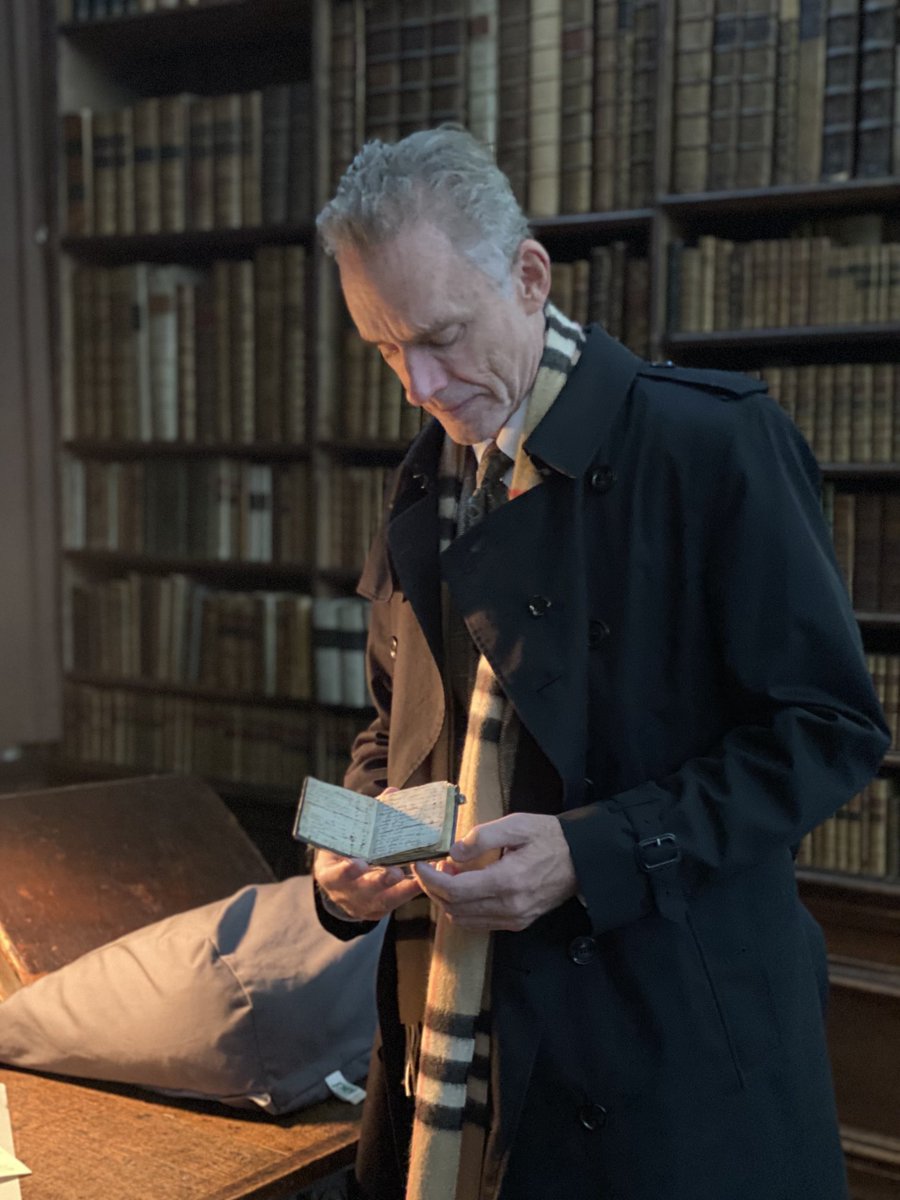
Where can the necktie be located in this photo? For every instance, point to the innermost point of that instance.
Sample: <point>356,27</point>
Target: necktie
<point>490,490</point>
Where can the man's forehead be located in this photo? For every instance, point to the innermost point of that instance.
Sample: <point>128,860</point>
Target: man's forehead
<point>411,285</point>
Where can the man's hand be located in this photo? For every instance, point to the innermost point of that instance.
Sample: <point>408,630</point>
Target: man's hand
<point>361,891</point>
<point>504,874</point>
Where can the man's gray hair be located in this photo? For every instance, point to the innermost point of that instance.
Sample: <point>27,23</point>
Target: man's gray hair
<point>442,175</point>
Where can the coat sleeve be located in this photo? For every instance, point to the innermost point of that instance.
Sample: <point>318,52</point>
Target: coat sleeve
<point>368,769</point>
<point>367,772</point>
<point>811,733</point>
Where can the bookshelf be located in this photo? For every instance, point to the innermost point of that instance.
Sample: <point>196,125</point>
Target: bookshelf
<point>690,166</point>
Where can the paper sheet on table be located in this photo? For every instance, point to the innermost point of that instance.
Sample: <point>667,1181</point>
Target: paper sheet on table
<point>10,1167</point>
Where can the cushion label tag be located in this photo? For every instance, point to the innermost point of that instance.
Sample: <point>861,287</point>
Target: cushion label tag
<point>344,1089</point>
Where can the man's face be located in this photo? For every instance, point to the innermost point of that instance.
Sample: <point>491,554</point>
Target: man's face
<point>465,348</point>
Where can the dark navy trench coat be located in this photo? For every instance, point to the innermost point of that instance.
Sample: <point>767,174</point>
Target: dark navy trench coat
<point>666,615</point>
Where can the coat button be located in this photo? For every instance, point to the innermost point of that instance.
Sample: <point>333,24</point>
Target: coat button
<point>582,950</point>
<point>602,479</point>
<point>421,482</point>
<point>538,605</point>
<point>394,645</point>
<point>592,1116</point>
<point>598,631</point>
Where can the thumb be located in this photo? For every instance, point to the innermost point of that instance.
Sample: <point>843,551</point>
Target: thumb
<point>483,844</point>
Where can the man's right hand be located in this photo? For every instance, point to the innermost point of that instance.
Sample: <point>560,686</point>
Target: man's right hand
<point>362,892</point>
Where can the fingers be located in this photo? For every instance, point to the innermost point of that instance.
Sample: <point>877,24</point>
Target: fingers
<point>452,888</point>
<point>362,891</point>
<point>534,874</point>
<point>501,834</point>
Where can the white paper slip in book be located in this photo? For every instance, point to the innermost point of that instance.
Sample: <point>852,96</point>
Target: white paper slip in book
<point>405,826</point>
<point>11,1170</point>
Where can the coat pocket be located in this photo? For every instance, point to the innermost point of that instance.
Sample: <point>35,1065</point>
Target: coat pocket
<point>743,1000</point>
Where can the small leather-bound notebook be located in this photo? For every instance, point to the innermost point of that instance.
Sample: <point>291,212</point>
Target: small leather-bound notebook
<point>83,865</point>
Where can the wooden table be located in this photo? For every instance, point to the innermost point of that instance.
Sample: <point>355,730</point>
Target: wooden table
<point>86,1141</point>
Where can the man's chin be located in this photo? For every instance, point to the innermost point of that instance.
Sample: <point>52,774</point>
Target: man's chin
<point>464,428</point>
<point>462,434</point>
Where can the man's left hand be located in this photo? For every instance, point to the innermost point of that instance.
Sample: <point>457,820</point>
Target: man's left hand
<point>503,874</point>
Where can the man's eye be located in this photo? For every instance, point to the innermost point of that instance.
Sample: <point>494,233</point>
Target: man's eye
<point>448,337</point>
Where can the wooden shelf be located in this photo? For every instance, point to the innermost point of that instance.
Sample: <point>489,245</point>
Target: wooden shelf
<point>886,890</point>
<point>850,197</point>
<point>762,345</point>
<point>342,577</point>
<point>861,471</point>
<point>166,26</point>
<point>248,42</point>
<point>109,448</point>
<point>230,571</point>
<point>257,699</point>
<point>375,452</point>
<point>860,917</point>
<point>878,620</point>
<point>189,246</point>
<point>598,226</point>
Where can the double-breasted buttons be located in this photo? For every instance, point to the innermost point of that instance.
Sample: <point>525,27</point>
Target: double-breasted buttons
<point>582,950</point>
<point>538,605</point>
<point>598,631</point>
<point>592,1117</point>
<point>394,644</point>
<point>602,478</point>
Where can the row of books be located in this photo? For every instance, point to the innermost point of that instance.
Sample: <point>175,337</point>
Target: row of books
<point>167,164</point>
<point>848,412</point>
<point>612,287</point>
<point>172,353</point>
<point>209,509</point>
<point>243,743</point>
<point>862,838</point>
<point>767,92</point>
<point>865,526</point>
<point>176,630</point>
<point>781,282</point>
<point>349,510</point>
<point>369,404</point>
<point>885,672</point>
<point>763,93</point>
<point>565,90</point>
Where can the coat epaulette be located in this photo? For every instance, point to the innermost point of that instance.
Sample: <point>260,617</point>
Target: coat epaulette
<point>729,385</point>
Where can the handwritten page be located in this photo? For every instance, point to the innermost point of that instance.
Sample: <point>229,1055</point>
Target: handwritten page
<point>11,1170</point>
<point>410,820</point>
<point>336,818</point>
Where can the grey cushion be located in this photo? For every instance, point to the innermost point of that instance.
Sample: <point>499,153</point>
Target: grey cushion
<point>247,1001</point>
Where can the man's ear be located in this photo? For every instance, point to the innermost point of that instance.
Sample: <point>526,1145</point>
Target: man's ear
<point>532,272</point>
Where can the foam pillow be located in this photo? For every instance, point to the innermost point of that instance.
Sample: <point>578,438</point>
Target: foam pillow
<point>247,1001</point>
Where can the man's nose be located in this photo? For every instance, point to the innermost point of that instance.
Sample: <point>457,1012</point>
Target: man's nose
<point>423,374</point>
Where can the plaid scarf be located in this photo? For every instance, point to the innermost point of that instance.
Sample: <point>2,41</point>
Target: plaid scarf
<point>447,1018</point>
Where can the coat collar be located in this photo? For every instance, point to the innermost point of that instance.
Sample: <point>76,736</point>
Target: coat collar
<point>578,424</point>
<point>568,437</point>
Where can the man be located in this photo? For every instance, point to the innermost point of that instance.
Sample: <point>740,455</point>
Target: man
<point>644,671</point>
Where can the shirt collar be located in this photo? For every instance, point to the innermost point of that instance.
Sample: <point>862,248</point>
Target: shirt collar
<point>508,437</point>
